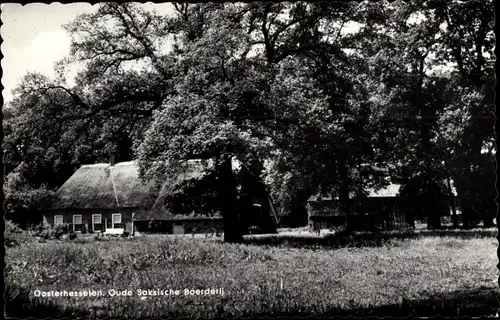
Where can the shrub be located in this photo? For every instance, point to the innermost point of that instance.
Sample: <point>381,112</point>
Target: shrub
<point>44,234</point>
<point>23,204</point>
<point>11,227</point>
<point>59,231</point>
<point>72,235</point>
<point>125,234</point>
<point>48,232</point>
<point>14,235</point>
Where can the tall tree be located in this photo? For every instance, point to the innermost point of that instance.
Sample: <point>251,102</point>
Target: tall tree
<point>234,101</point>
<point>468,43</point>
<point>414,48</point>
<point>281,82</point>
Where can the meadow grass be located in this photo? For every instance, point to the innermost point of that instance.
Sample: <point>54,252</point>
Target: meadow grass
<point>422,276</point>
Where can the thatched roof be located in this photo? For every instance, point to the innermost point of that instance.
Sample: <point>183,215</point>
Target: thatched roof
<point>102,186</point>
<point>157,210</point>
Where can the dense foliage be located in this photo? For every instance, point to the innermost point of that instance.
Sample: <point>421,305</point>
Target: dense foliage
<point>314,97</point>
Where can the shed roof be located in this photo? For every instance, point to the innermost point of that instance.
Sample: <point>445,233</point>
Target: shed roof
<point>391,190</point>
<point>388,191</point>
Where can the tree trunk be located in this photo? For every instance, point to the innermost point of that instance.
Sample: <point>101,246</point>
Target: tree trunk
<point>425,152</point>
<point>345,205</point>
<point>464,203</point>
<point>452,199</point>
<point>361,199</point>
<point>410,219</point>
<point>433,221</point>
<point>230,213</point>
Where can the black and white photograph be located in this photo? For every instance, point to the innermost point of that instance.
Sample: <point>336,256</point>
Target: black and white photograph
<point>249,159</point>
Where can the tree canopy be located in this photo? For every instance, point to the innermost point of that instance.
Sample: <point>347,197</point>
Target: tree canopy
<point>310,97</point>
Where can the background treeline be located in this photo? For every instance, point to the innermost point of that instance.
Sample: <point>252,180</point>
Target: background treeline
<point>311,97</point>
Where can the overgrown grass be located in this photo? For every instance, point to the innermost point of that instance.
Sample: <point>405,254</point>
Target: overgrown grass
<point>362,239</point>
<point>422,276</point>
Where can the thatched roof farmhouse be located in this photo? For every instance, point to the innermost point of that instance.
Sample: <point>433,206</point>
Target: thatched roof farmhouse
<point>111,198</point>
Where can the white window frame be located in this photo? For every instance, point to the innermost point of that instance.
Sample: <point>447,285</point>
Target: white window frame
<point>56,217</point>
<point>93,220</point>
<point>113,219</point>
<point>81,219</point>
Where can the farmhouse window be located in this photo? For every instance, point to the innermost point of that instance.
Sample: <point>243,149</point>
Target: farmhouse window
<point>58,220</point>
<point>77,222</point>
<point>116,221</point>
<point>97,222</point>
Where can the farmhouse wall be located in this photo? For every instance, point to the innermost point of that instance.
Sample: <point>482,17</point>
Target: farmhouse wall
<point>175,226</point>
<point>48,217</point>
<point>200,225</point>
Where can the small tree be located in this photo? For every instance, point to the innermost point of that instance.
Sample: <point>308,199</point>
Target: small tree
<point>24,203</point>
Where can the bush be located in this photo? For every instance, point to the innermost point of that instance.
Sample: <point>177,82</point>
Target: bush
<point>59,231</point>
<point>125,234</point>
<point>23,204</point>
<point>11,227</point>
<point>48,232</point>
<point>72,235</point>
<point>14,235</point>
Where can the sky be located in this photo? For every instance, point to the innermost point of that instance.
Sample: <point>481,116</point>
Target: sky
<point>33,37</point>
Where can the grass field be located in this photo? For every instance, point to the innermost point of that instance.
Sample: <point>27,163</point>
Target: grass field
<point>423,275</point>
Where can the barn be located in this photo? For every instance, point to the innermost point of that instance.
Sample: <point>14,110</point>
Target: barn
<point>381,209</point>
<point>110,198</point>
